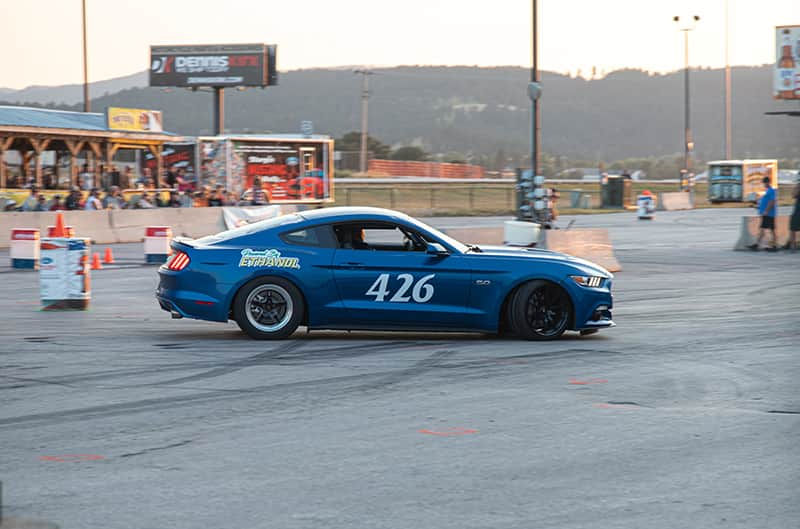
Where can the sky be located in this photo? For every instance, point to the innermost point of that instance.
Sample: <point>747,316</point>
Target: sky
<point>41,39</point>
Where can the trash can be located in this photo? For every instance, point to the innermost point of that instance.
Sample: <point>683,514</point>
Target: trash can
<point>615,192</point>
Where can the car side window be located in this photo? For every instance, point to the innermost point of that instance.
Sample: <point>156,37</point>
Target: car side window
<point>315,236</point>
<point>381,237</point>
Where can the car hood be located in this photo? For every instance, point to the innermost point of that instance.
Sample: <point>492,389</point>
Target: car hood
<point>540,255</point>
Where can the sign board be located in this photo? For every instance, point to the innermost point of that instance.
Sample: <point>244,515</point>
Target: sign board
<point>174,156</point>
<point>307,128</point>
<point>787,63</point>
<point>214,65</point>
<point>64,274</point>
<point>134,119</point>
<point>288,169</point>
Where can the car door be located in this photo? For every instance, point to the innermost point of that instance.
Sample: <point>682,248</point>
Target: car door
<point>389,281</point>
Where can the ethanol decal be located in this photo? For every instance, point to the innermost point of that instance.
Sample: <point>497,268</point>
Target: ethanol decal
<point>421,292</point>
<point>270,258</point>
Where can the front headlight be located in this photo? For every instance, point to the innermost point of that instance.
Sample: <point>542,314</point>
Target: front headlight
<point>588,281</point>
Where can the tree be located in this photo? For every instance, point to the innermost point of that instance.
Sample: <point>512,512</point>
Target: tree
<point>414,154</point>
<point>352,142</point>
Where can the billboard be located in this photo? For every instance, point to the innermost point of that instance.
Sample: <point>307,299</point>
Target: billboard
<point>787,63</point>
<point>214,65</point>
<point>134,119</point>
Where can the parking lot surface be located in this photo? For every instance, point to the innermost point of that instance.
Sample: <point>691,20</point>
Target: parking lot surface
<point>685,415</point>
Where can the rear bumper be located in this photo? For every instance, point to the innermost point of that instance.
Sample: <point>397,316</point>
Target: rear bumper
<point>174,298</point>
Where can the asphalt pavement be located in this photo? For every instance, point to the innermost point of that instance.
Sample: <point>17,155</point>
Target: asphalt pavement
<point>687,414</point>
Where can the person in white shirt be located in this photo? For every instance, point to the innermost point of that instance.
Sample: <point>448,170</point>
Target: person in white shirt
<point>93,202</point>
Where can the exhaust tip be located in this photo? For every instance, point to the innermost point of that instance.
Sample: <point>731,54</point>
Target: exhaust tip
<point>175,315</point>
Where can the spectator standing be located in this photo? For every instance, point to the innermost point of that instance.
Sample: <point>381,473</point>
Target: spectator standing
<point>32,201</point>
<point>181,180</point>
<point>258,196</point>
<point>93,202</point>
<point>767,208</point>
<point>86,177</point>
<point>73,200</point>
<point>127,177</point>
<point>115,176</point>
<point>170,179</point>
<point>145,201</point>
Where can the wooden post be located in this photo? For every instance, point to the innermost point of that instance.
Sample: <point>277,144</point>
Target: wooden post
<point>5,143</point>
<point>74,147</point>
<point>39,147</point>
<point>156,150</point>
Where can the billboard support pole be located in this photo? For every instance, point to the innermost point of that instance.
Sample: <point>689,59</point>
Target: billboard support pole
<point>219,110</point>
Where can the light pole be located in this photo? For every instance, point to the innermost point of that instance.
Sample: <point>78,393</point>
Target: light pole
<point>728,104</point>
<point>87,106</point>
<point>534,93</point>
<point>362,159</point>
<point>687,128</point>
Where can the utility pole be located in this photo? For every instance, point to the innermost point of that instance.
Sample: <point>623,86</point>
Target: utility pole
<point>87,106</point>
<point>687,128</point>
<point>728,104</point>
<point>362,161</point>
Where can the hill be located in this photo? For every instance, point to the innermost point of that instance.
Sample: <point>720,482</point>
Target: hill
<point>628,113</point>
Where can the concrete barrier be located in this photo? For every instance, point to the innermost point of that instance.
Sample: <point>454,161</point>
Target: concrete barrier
<point>749,231</point>
<point>591,244</point>
<point>675,201</point>
<point>122,225</point>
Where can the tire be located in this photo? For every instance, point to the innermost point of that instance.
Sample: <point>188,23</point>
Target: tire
<point>268,308</point>
<point>539,310</point>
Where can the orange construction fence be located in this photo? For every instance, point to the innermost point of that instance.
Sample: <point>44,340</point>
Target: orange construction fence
<point>429,169</point>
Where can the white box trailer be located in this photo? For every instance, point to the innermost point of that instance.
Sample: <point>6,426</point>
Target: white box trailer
<point>739,180</point>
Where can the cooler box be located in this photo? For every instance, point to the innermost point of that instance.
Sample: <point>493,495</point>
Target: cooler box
<point>520,233</point>
<point>24,248</point>
<point>156,244</point>
<point>64,281</point>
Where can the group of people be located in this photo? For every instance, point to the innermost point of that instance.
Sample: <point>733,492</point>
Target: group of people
<point>143,198</point>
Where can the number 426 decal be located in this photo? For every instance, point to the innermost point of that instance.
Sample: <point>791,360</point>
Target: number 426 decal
<point>421,292</point>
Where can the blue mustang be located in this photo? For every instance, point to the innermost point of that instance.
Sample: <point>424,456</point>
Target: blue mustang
<point>376,269</point>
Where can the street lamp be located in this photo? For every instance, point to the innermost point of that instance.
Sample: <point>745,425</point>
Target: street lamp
<point>687,26</point>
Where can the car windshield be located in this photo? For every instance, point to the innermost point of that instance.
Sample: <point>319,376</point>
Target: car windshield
<point>458,245</point>
<point>248,229</point>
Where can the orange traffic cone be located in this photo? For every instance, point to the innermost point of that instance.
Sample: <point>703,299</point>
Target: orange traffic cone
<point>108,258</point>
<point>60,230</point>
<point>96,262</point>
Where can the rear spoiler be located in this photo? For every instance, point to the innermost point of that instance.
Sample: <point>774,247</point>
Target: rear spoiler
<point>179,241</point>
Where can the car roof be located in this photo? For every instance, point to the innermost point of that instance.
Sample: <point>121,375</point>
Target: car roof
<point>352,213</point>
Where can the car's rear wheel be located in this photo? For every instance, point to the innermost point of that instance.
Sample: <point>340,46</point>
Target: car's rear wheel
<point>268,308</point>
<point>539,310</point>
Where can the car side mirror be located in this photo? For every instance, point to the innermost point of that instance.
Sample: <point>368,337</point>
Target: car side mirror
<point>434,248</point>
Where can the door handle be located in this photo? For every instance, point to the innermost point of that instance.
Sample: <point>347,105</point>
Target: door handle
<point>353,264</point>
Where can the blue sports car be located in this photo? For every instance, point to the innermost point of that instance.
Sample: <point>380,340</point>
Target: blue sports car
<point>376,269</point>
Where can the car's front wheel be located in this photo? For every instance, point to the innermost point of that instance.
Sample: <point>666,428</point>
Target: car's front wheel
<point>539,310</point>
<point>268,308</point>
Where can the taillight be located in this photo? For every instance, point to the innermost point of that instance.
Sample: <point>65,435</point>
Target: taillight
<point>178,262</point>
